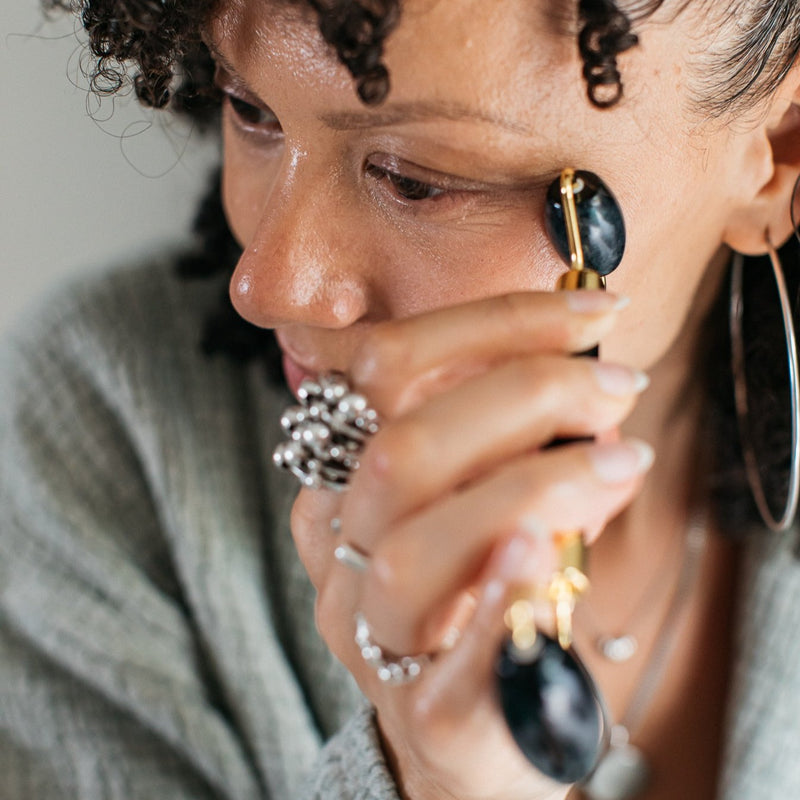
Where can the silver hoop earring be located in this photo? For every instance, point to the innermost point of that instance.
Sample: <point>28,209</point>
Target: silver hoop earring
<point>786,518</point>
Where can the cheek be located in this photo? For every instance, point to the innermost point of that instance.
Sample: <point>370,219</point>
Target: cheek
<point>670,248</point>
<point>431,266</point>
<point>466,265</point>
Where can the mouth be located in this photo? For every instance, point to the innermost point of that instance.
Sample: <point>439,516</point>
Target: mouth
<point>302,361</point>
<point>294,373</point>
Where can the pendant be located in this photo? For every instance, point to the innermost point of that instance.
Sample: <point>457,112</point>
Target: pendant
<point>551,706</point>
<point>623,772</point>
<point>618,648</point>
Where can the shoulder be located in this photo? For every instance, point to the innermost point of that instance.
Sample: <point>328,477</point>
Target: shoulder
<point>121,312</point>
<point>126,341</point>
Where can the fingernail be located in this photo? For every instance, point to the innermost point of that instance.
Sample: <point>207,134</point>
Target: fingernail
<point>618,380</point>
<point>620,461</point>
<point>595,301</point>
<point>518,561</point>
<point>534,528</point>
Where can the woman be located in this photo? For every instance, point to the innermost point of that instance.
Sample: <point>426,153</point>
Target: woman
<point>385,175</point>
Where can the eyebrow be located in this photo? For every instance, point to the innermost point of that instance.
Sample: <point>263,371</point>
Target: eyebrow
<point>417,111</point>
<point>392,114</point>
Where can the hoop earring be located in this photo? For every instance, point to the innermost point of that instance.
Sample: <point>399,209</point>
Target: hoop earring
<point>793,206</point>
<point>789,512</point>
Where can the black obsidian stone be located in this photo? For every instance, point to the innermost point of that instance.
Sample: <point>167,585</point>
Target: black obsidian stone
<point>551,707</point>
<point>599,219</point>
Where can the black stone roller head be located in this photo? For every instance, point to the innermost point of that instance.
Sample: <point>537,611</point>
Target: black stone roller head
<point>602,227</point>
<point>552,709</point>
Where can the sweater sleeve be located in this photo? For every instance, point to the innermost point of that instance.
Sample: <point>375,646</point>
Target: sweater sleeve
<point>156,625</point>
<point>102,689</point>
<point>351,765</point>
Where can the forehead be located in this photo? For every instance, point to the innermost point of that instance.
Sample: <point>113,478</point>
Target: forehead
<point>516,60</point>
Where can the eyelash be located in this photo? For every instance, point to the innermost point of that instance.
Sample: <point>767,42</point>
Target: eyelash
<point>251,119</point>
<point>408,189</point>
<point>256,120</point>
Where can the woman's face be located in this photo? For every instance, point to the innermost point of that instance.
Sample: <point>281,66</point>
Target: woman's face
<point>349,215</point>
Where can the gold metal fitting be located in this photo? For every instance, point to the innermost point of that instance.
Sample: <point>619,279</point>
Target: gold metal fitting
<point>570,549</point>
<point>581,279</point>
<point>568,188</point>
<point>519,619</point>
<point>579,275</point>
<point>568,583</point>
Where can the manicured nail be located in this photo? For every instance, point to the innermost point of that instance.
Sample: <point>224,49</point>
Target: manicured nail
<point>620,461</point>
<point>518,561</point>
<point>595,301</point>
<point>618,380</point>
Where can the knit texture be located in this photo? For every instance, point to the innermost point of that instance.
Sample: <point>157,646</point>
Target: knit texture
<point>156,625</point>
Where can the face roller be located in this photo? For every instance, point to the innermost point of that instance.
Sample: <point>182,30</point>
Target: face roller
<point>552,706</point>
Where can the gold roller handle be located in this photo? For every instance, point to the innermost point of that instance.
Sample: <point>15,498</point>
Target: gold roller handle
<point>569,582</point>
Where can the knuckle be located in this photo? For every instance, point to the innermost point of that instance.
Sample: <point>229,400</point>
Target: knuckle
<point>533,377</point>
<point>425,713</point>
<point>301,522</point>
<point>327,613</point>
<point>528,489</point>
<point>514,312</point>
<point>388,455</point>
<point>520,313</point>
<point>395,572</point>
<point>378,356</point>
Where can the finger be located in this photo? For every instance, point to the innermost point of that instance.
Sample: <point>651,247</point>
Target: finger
<point>437,553</point>
<point>314,539</point>
<point>484,422</point>
<point>402,360</point>
<point>458,696</point>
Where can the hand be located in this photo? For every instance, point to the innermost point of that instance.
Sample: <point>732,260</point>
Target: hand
<point>455,500</point>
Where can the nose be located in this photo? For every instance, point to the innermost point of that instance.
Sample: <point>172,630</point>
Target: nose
<point>306,262</point>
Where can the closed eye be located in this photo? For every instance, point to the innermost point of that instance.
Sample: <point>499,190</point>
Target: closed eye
<point>405,187</point>
<point>249,115</point>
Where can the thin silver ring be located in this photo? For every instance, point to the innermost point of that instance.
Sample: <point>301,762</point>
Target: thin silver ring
<point>740,392</point>
<point>394,671</point>
<point>351,556</point>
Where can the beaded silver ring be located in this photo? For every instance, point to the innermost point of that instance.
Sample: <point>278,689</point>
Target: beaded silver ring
<point>394,671</point>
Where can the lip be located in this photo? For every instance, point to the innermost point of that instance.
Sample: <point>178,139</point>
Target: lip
<point>296,366</point>
<point>295,373</point>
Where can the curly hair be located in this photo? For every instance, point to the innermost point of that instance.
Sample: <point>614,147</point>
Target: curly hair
<point>155,45</point>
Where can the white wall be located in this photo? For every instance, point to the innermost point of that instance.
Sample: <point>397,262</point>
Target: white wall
<point>78,192</point>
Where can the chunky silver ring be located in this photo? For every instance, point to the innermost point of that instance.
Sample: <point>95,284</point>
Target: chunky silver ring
<point>394,671</point>
<point>327,432</point>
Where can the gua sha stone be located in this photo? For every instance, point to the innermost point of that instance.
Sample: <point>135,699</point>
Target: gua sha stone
<point>551,707</point>
<point>599,219</point>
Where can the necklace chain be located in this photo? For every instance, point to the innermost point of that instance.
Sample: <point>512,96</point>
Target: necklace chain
<point>623,772</point>
<point>621,645</point>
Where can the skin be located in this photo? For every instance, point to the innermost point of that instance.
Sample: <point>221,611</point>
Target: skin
<point>441,311</point>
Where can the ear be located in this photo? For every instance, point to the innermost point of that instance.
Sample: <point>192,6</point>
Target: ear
<point>773,154</point>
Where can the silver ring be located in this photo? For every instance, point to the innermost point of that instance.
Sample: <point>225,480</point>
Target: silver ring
<point>351,556</point>
<point>327,432</point>
<point>394,671</point>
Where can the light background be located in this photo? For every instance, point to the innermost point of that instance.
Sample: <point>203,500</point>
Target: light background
<point>81,187</point>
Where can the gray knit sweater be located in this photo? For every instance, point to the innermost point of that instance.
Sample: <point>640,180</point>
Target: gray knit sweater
<point>156,626</point>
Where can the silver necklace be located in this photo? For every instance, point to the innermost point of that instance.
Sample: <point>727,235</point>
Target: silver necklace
<point>624,772</point>
<point>622,646</point>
